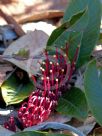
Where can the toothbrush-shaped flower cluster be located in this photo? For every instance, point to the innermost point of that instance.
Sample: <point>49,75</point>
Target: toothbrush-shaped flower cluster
<point>55,75</point>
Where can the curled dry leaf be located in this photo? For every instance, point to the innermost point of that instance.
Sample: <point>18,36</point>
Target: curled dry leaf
<point>35,43</point>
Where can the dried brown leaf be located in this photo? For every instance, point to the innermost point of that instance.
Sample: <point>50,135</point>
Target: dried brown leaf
<point>98,131</point>
<point>88,125</point>
<point>35,43</point>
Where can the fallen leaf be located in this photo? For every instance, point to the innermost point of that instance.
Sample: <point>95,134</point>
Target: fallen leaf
<point>35,43</point>
<point>57,117</point>
<point>2,77</point>
<point>22,54</point>
<point>88,125</point>
<point>3,69</point>
<point>98,131</point>
<point>5,132</point>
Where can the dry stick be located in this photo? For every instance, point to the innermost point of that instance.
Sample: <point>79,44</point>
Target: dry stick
<point>36,16</point>
<point>10,20</point>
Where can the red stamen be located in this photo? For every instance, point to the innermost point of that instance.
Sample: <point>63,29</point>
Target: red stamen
<point>47,62</point>
<point>52,73</point>
<point>48,84</point>
<point>56,87</point>
<point>34,79</point>
<point>45,82</point>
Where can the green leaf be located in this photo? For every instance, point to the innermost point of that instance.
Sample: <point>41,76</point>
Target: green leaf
<point>73,103</point>
<point>61,35</point>
<point>29,133</point>
<point>91,33</point>
<point>93,89</point>
<point>54,134</point>
<point>15,89</point>
<point>36,133</point>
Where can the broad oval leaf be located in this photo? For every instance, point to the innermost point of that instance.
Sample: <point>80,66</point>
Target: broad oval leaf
<point>61,35</point>
<point>73,103</point>
<point>15,89</point>
<point>93,89</point>
<point>91,33</point>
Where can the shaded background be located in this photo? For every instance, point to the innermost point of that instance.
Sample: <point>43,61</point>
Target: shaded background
<point>19,8</point>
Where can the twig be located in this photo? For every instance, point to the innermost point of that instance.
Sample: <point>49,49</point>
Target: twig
<point>36,16</point>
<point>10,20</point>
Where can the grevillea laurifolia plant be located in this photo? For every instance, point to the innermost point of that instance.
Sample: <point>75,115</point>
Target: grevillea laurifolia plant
<point>54,80</point>
<point>80,29</point>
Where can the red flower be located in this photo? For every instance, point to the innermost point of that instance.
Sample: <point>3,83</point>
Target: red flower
<point>37,109</point>
<point>54,80</point>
